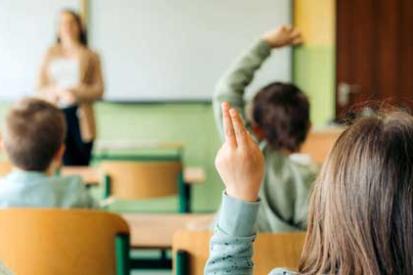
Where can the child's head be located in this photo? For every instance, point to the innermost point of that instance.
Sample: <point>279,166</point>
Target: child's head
<point>281,116</point>
<point>361,213</point>
<point>33,135</point>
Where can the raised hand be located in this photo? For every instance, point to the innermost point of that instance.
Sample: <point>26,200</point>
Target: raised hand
<point>283,36</point>
<point>239,162</point>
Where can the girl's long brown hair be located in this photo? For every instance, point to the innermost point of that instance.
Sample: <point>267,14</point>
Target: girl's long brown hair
<point>361,209</point>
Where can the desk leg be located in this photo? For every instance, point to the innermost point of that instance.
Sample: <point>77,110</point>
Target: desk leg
<point>185,199</point>
<point>122,254</point>
<point>182,263</point>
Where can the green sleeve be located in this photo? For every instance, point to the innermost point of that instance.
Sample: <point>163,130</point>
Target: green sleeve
<point>231,245</point>
<point>231,87</point>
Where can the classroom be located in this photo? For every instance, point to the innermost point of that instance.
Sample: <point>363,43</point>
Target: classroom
<point>197,137</point>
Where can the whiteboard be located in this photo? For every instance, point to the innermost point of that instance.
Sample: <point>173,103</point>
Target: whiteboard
<point>163,50</point>
<point>27,29</point>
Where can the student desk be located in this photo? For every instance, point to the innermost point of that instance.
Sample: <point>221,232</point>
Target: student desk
<point>155,231</point>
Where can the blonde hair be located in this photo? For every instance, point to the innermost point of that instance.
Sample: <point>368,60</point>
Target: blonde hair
<point>361,209</point>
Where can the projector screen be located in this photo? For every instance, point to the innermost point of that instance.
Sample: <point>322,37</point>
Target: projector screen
<point>173,50</point>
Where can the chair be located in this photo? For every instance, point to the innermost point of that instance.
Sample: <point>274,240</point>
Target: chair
<point>191,250</point>
<point>319,143</point>
<point>64,242</point>
<point>131,180</point>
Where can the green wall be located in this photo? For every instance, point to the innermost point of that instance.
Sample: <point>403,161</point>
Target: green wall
<point>314,72</point>
<point>193,125</point>
<point>314,60</point>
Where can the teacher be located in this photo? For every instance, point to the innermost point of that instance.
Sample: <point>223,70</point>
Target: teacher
<point>71,78</point>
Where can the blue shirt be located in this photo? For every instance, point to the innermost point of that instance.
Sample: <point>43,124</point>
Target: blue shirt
<point>35,189</point>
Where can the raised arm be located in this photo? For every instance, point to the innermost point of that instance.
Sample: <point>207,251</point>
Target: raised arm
<point>231,87</point>
<point>240,164</point>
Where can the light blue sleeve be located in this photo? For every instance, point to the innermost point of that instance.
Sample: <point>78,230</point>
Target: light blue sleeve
<point>231,244</point>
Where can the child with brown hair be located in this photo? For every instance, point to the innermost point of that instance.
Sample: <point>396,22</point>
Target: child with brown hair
<point>33,138</point>
<point>280,121</point>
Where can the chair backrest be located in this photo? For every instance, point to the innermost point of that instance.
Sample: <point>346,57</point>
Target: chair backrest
<point>58,241</point>
<point>142,180</point>
<point>270,250</point>
<point>319,143</point>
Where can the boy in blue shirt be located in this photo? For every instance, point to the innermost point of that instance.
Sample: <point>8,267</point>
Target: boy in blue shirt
<point>33,139</point>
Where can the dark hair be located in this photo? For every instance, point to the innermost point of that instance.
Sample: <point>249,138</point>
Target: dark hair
<point>34,131</point>
<point>282,111</point>
<point>360,216</point>
<point>82,30</point>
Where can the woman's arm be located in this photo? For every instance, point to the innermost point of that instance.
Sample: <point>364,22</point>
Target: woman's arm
<point>88,92</point>
<point>240,164</point>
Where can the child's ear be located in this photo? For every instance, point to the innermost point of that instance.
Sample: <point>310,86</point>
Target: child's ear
<point>258,132</point>
<point>59,154</point>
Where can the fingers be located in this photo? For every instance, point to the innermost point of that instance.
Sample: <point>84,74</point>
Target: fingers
<point>228,127</point>
<point>297,41</point>
<point>296,37</point>
<point>239,129</point>
<point>294,33</point>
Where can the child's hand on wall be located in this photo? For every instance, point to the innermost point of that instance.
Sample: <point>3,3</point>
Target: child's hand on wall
<point>283,36</point>
<point>239,162</point>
